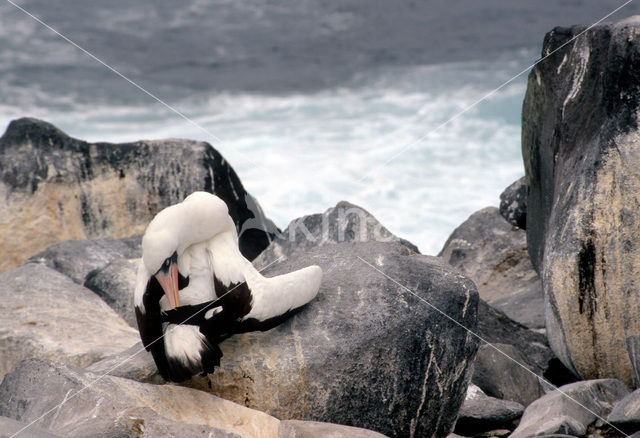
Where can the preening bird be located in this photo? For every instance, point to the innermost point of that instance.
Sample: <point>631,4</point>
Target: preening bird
<point>194,288</point>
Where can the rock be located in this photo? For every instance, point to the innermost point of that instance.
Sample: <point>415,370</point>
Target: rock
<point>135,363</point>
<point>111,406</point>
<point>513,204</point>
<point>314,429</point>
<point>556,413</point>
<point>345,222</point>
<point>114,284</point>
<point>365,352</point>
<point>44,314</point>
<point>10,427</point>
<point>583,175</point>
<point>136,422</point>
<point>494,255</point>
<point>626,413</point>
<point>497,328</point>
<point>59,188</point>
<point>480,413</point>
<point>77,258</point>
<point>501,377</point>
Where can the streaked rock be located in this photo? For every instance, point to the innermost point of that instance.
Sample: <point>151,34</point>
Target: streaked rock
<point>583,176</point>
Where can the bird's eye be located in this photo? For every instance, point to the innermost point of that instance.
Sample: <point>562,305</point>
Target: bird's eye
<point>167,262</point>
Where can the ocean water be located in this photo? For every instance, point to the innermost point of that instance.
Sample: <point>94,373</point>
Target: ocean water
<point>418,144</point>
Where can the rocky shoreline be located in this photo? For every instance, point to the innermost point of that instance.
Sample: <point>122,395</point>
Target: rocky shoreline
<point>524,325</point>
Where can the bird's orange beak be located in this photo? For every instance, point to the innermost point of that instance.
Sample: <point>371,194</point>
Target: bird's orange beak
<point>169,282</point>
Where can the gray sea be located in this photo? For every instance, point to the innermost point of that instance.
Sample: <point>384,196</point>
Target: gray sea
<point>387,104</point>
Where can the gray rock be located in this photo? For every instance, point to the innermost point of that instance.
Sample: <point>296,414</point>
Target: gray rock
<point>556,413</point>
<point>494,255</point>
<point>365,352</point>
<point>513,204</point>
<point>345,222</point>
<point>135,363</point>
<point>58,188</point>
<point>77,258</point>
<point>481,413</point>
<point>10,427</point>
<point>583,175</point>
<point>315,429</point>
<point>507,378</point>
<point>626,413</point>
<point>45,314</point>
<point>145,422</point>
<point>110,406</point>
<point>497,328</point>
<point>114,284</point>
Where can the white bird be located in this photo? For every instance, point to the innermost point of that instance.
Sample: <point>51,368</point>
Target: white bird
<point>194,288</point>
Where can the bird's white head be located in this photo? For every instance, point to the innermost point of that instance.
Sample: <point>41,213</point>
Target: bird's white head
<point>196,219</point>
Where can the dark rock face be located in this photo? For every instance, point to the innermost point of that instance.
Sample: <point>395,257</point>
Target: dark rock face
<point>111,406</point>
<point>60,188</point>
<point>497,328</point>
<point>580,147</point>
<point>500,377</point>
<point>494,255</point>
<point>480,413</point>
<point>365,352</point>
<point>345,222</point>
<point>556,413</point>
<point>513,204</point>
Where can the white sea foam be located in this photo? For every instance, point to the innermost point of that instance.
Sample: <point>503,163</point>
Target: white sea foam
<point>302,153</point>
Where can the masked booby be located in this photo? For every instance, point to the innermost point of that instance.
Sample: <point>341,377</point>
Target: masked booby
<point>194,288</point>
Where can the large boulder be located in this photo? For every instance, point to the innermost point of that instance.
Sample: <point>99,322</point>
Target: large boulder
<point>57,188</point>
<point>494,255</point>
<point>366,352</point>
<point>582,163</point>
<point>45,314</point>
<point>72,402</point>
<point>571,409</point>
